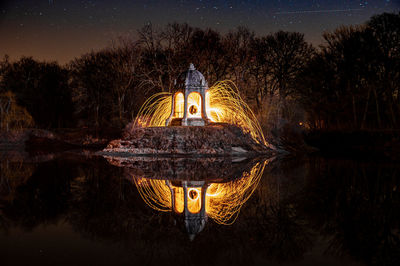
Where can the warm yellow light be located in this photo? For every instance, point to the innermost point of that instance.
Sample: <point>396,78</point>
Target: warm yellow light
<point>178,192</point>
<point>194,104</point>
<point>193,194</point>
<point>179,104</point>
<point>223,200</point>
<point>194,200</point>
<point>223,104</point>
<point>193,110</point>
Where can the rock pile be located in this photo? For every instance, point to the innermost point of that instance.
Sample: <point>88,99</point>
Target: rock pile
<point>212,140</point>
<point>215,169</point>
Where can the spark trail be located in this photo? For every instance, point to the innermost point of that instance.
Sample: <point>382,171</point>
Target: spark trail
<point>223,200</point>
<point>224,105</point>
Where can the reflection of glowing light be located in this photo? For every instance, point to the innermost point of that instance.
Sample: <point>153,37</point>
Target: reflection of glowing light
<point>223,200</point>
<point>223,104</point>
<point>193,194</point>
<point>194,203</point>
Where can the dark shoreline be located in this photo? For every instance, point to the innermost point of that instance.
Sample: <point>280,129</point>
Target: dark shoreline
<point>32,140</point>
<point>361,143</point>
<point>383,144</point>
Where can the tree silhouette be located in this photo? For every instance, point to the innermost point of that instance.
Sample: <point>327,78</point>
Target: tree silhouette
<point>352,83</point>
<point>42,88</point>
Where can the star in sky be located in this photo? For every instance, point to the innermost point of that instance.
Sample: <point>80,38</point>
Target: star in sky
<point>63,29</point>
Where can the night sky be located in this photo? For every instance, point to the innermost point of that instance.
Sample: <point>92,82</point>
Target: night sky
<point>63,29</point>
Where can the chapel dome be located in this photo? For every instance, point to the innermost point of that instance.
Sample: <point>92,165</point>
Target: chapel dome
<point>194,225</point>
<point>190,78</point>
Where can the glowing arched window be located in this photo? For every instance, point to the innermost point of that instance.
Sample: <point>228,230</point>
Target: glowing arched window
<point>194,104</point>
<point>194,199</point>
<point>179,200</point>
<point>179,105</point>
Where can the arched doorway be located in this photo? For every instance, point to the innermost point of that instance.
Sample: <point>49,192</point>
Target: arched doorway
<point>179,105</point>
<point>194,105</point>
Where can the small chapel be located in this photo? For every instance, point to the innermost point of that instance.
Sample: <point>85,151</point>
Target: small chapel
<point>189,100</point>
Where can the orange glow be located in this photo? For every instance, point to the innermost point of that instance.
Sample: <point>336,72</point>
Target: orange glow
<point>215,114</point>
<point>141,121</point>
<point>223,104</point>
<point>223,200</point>
<point>194,103</point>
<point>194,200</point>
<point>178,191</point>
<point>179,104</point>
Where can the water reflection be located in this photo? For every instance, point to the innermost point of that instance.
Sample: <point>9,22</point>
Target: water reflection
<point>304,211</point>
<point>195,198</point>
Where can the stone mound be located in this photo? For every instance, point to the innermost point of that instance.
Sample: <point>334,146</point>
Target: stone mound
<point>211,140</point>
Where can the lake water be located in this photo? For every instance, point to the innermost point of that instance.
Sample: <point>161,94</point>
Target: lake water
<point>79,209</point>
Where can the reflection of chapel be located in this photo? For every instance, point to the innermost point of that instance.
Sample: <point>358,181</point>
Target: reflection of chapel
<point>189,100</point>
<point>193,196</point>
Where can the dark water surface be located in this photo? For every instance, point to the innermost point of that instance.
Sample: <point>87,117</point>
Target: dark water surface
<point>77,210</point>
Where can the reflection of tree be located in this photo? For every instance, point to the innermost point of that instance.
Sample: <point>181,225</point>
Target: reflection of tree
<point>152,237</point>
<point>12,175</point>
<point>354,204</point>
<point>357,203</point>
<point>101,205</point>
<point>272,218</point>
<point>41,198</point>
<point>107,207</point>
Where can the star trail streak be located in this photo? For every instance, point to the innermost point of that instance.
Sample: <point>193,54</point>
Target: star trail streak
<point>317,11</point>
<point>62,30</point>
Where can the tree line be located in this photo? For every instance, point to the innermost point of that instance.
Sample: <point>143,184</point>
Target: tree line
<point>350,82</point>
